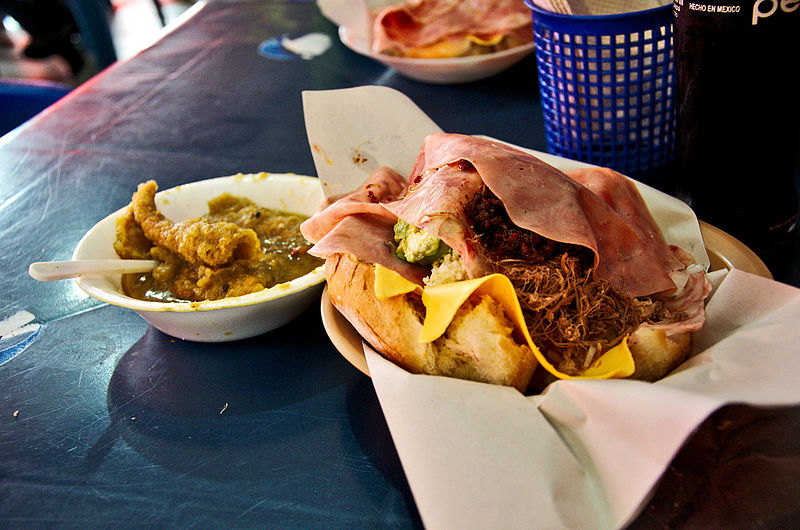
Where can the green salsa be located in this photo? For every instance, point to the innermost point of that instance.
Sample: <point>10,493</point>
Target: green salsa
<point>284,256</point>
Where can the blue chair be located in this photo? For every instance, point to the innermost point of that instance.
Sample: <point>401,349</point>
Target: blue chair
<point>20,100</point>
<point>91,16</point>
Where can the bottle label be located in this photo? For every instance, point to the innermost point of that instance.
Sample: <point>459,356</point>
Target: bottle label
<point>737,125</point>
<point>759,11</point>
<point>763,9</point>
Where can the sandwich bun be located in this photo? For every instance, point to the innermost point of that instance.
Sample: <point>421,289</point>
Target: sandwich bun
<point>479,343</point>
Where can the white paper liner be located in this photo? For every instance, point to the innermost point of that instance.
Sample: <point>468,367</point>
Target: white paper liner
<point>585,453</point>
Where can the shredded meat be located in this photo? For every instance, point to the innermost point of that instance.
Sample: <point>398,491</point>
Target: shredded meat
<point>502,239</point>
<point>571,316</point>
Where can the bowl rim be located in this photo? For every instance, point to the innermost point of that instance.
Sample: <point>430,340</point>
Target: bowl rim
<point>281,290</point>
<point>462,62</point>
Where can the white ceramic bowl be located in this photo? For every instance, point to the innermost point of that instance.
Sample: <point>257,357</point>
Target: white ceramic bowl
<point>442,71</point>
<point>216,320</point>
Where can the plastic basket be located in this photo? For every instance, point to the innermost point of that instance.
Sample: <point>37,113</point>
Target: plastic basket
<point>607,87</point>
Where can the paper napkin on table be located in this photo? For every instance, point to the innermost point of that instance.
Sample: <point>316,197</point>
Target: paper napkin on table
<point>584,453</point>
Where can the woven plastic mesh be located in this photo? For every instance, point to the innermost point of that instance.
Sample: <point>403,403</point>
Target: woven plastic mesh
<point>607,87</point>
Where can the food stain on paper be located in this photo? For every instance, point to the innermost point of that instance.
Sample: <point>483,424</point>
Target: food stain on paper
<point>319,150</point>
<point>363,158</point>
<point>305,47</point>
<point>359,158</point>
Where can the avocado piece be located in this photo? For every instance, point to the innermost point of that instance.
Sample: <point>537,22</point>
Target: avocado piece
<point>414,245</point>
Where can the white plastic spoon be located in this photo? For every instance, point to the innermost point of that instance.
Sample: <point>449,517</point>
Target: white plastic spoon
<point>46,271</point>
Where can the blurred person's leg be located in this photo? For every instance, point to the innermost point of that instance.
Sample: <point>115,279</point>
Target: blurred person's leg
<point>51,27</point>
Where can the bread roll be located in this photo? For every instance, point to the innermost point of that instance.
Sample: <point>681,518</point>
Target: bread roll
<point>478,344</point>
<point>655,353</point>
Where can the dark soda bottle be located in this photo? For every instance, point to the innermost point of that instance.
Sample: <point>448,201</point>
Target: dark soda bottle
<point>738,115</point>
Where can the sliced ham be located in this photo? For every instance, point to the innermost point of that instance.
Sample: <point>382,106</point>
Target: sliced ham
<point>690,279</point>
<point>598,209</point>
<point>384,184</point>
<point>368,237</point>
<point>540,198</point>
<point>415,24</point>
<point>620,193</point>
<point>435,203</point>
<point>687,304</point>
<point>357,223</point>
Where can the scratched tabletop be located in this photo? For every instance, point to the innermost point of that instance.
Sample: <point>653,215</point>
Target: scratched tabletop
<point>105,421</point>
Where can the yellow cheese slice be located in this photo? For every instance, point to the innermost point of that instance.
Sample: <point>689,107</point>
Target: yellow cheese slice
<point>491,41</point>
<point>442,301</point>
<point>389,283</point>
<point>440,50</point>
<point>616,362</point>
<point>452,47</point>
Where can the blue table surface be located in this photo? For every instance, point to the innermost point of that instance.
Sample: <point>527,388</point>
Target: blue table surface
<point>105,421</point>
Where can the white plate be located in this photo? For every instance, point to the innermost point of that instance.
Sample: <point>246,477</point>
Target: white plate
<point>229,318</point>
<point>443,71</point>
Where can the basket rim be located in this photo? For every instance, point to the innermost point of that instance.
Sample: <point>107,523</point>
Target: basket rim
<point>589,24</point>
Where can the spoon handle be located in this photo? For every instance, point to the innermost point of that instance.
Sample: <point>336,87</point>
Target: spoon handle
<point>46,271</point>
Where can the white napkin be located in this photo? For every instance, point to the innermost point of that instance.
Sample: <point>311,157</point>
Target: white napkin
<point>585,453</point>
<point>355,15</point>
<point>354,131</point>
